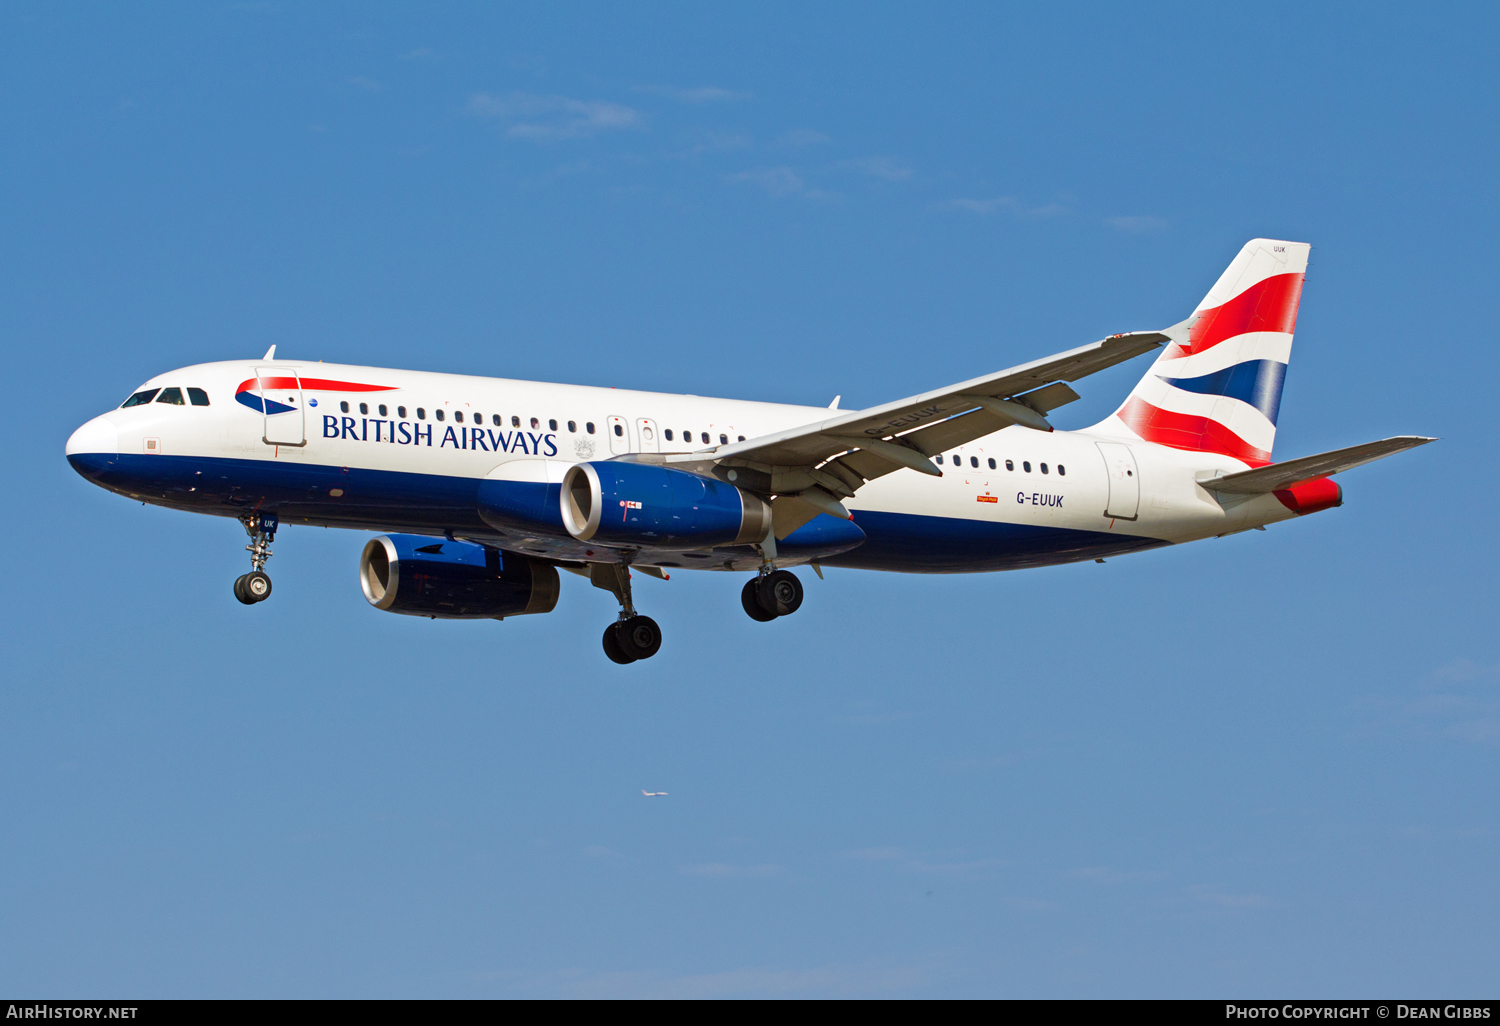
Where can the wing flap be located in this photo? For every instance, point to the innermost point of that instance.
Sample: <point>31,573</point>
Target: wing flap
<point>1283,475</point>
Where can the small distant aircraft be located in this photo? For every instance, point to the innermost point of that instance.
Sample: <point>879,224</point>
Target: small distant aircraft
<point>654,794</point>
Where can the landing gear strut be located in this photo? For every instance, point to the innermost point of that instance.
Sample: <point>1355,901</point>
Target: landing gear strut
<point>632,636</point>
<point>774,593</point>
<point>256,585</point>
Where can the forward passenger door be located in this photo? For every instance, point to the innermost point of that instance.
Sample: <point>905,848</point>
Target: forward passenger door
<point>281,403</point>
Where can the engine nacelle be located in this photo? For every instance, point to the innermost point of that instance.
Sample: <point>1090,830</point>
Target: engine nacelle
<point>642,504</point>
<point>421,576</point>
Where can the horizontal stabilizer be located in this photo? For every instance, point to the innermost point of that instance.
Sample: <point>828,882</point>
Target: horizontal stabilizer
<point>1277,476</point>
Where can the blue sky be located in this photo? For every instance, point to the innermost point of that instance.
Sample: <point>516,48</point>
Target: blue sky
<point>1262,765</point>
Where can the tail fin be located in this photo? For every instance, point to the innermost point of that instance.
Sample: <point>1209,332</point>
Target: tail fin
<point>1217,387</point>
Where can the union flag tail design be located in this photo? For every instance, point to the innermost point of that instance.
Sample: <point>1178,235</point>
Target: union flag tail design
<point>1217,387</point>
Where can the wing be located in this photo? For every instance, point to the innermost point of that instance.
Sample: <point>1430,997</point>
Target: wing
<point>799,467</point>
<point>1284,475</point>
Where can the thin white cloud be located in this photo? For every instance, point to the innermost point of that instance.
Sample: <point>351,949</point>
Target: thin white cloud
<point>547,118</point>
<point>1008,205</point>
<point>1460,700</point>
<point>1213,897</point>
<point>941,863</point>
<point>724,870</point>
<point>801,137</point>
<point>698,95</point>
<point>871,719</point>
<point>780,181</point>
<point>823,981</point>
<point>1137,225</point>
<point>716,142</point>
<point>878,167</point>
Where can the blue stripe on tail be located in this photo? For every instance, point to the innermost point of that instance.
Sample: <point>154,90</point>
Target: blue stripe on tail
<point>1256,382</point>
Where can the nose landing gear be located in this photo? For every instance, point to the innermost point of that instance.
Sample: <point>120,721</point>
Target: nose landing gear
<point>256,585</point>
<point>632,636</point>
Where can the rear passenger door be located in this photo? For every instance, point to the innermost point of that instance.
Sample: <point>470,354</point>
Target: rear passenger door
<point>1124,481</point>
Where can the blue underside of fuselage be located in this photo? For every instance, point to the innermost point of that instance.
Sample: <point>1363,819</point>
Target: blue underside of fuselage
<point>382,500</point>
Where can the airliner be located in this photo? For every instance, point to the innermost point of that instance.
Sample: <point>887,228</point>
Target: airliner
<point>483,489</point>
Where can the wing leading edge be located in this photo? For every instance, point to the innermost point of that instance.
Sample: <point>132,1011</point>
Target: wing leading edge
<point>799,468</point>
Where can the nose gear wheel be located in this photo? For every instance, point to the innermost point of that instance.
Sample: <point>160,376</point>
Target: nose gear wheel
<point>256,585</point>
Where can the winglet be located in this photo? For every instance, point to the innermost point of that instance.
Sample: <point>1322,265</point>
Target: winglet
<point>270,353</point>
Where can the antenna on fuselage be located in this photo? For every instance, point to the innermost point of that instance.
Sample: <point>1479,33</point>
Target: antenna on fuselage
<point>270,353</point>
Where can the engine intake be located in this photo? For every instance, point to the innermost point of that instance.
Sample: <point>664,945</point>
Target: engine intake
<point>446,580</point>
<point>638,503</point>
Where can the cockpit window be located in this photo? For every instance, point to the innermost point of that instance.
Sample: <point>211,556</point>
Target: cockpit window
<point>172,396</point>
<point>140,398</point>
<point>198,397</point>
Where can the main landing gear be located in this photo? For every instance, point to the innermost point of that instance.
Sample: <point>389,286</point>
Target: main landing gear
<point>632,636</point>
<point>774,593</point>
<point>256,585</point>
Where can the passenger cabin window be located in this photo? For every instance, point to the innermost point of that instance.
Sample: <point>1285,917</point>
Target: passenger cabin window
<point>1044,468</point>
<point>458,415</point>
<point>619,430</point>
<point>535,423</point>
<point>495,419</point>
<point>668,433</point>
<point>992,463</point>
<point>939,457</point>
<point>1026,466</point>
<point>197,397</point>
<point>1062,471</point>
<point>705,438</point>
<point>364,408</point>
<point>742,438</point>
<point>973,461</point>
<point>589,427</point>
<point>421,413</point>
<point>140,398</point>
<point>382,407</point>
<point>573,426</point>
<point>515,422</point>
<point>171,396</point>
<point>723,439</point>
<point>1010,465</point>
<point>343,407</point>
<point>551,425</point>
<point>401,412</point>
<point>440,414</point>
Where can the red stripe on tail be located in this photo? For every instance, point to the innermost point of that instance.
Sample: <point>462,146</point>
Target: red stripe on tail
<point>1268,305</point>
<point>1185,431</point>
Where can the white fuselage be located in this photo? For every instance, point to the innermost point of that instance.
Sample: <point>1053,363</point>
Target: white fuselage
<point>316,461</point>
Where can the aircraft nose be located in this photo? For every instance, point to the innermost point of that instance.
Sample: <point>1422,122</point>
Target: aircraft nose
<point>96,436</point>
<point>92,446</point>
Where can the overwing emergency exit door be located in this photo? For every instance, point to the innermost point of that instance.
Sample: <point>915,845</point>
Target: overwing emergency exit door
<point>619,436</point>
<point>1124,481</point>
<point>281,402</point>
